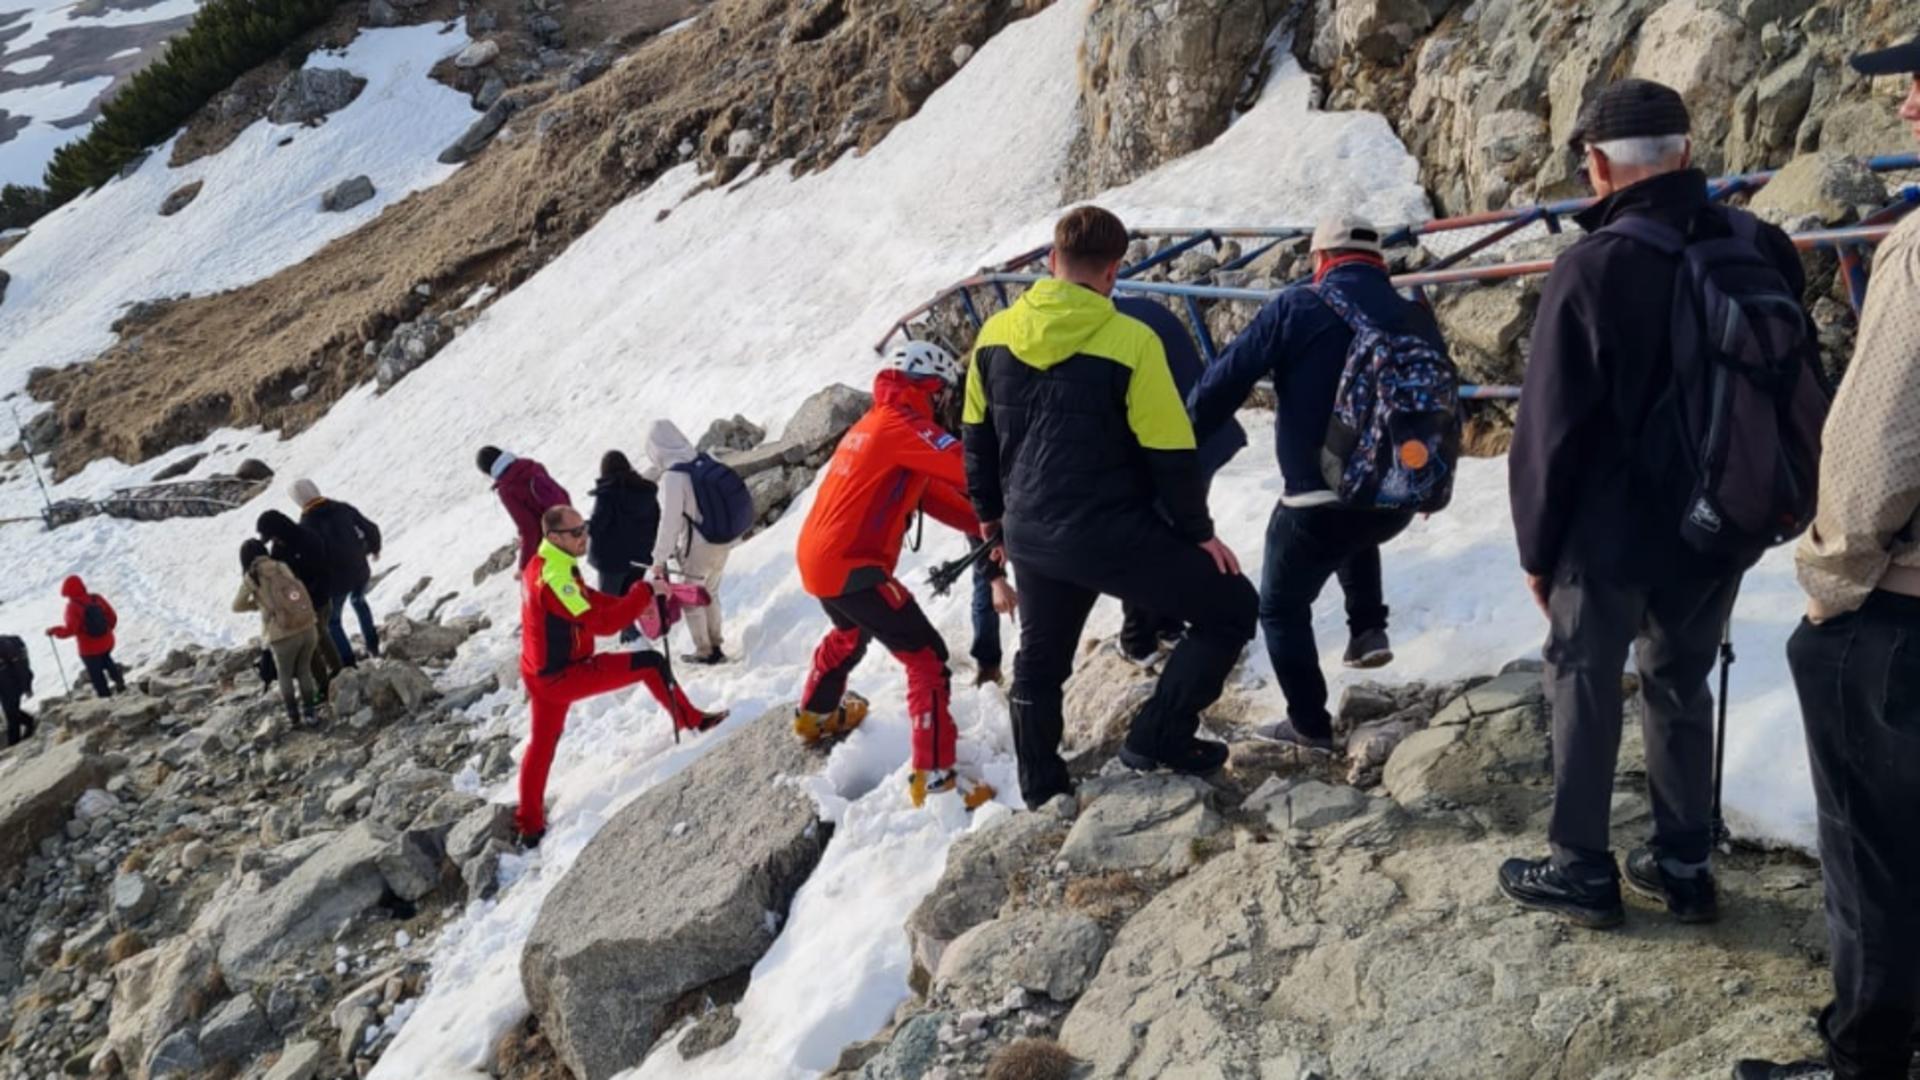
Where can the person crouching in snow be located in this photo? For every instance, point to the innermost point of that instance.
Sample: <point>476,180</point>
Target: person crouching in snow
<point>895,460</point>
<point>90,620</point>
<point>559,618</point>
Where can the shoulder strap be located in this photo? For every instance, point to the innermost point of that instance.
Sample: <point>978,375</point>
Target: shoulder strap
<point>1654,234</point>
<point>1347,310</point>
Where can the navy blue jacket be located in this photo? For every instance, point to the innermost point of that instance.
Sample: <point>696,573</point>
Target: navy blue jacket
<point>1183,359</point>
<point>1299,340</point>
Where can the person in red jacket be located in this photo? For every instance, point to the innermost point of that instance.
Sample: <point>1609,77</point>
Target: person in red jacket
<point>897,459</point>
<point>91,620</point>
<point>559,618</point>
<point>526,490</point>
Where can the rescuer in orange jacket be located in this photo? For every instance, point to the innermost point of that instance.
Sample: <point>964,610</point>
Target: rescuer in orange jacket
<point>897,459</point>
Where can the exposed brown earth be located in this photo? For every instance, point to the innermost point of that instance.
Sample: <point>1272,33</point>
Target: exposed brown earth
<point>812,80</point>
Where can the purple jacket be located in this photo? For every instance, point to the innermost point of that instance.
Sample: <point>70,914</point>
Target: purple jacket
<point>527,492</point>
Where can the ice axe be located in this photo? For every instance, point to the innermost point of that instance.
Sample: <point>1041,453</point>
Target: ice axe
<point>1722,837</point>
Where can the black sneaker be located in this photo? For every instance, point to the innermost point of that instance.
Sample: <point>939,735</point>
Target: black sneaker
<point>1691,899</point>
<point>709,659</point>
<point>1539,885</point>
<point>1283,731</point>
<point>1369,649</point>
<point>1754,1069</point>
<point>1197,757</point>
<point>530,841</point>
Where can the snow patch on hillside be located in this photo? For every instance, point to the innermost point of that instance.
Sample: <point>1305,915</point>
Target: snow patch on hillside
<point>258,212</point>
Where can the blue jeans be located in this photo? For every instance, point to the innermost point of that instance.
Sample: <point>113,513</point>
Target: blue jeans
<point>1305,547</point>
<point>338,632</point>
<point>986,621</point>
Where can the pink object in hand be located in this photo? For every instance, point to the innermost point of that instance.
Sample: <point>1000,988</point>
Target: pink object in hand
<point>678,598</point>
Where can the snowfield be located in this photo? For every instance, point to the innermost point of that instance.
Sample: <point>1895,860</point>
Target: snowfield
<point>743,302</point>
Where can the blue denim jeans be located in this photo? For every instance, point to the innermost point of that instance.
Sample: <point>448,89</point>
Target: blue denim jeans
<point>338,632</point>
<point>986,621</point>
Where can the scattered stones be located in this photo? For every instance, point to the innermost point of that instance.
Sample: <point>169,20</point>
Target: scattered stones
<point>977,881</point>
<point>180,198</point>
<point>36,797</point>
<point>310,93</point>
<point>347,194</point>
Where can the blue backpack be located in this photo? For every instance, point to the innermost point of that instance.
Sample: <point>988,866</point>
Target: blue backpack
<point>1393,441</point>
<point>726,506</point>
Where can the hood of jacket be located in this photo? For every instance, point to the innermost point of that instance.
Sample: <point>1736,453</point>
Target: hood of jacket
<point>73,588</point>
<point>274,525</point>
<point>1053,320</point>
<point>902,389</point>
<point>667,446</point>
<point>500,466</point>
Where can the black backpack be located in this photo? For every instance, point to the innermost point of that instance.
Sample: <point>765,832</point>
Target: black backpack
<point>726,506</point>
<point>94,619</point>
<point>1746,399</point>
<point>13,654</point>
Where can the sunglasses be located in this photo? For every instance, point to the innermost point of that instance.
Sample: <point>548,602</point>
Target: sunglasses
<point>576,532</point>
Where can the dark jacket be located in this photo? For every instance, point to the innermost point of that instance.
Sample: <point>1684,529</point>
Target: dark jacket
<point>527,491</point>
<point>1601,354</point>
<point>1303,344</point>
<point>1183,359</point>
<point>1075,431</point>
<point>625,523</point>
<point>350,539</point>
<point>303,550</point>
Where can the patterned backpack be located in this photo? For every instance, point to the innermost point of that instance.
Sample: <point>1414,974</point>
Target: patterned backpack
<point>1393,440</point>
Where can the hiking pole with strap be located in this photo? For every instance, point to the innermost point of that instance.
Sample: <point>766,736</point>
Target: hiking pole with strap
<point>946,574</point>
<point>1722,837</point>
<point>666,661</point>
<point>59,664</point>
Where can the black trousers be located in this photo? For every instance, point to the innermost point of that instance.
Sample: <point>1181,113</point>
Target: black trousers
<point>1142,629</point>
<point>1858,677</point>
<point>616,583</point>
<point>1674,632</point>
<point>100,669</point>
<point>1162,573</point>
<point>19,724</point>
<point>1305,547</point>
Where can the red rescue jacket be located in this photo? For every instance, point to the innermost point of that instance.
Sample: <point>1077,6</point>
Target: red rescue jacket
<point>560,616</point>
<point>75,625</point>
<point>895,460</point>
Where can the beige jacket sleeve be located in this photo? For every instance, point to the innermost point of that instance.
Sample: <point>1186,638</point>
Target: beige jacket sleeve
<point>1870,460</point>
<point>244,599</point>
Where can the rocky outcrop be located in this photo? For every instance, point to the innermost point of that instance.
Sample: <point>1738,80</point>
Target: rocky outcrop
<point>977,882</point>
<point>346,195</point>
<point>1160,80</point>
<point>410,345</point>
<point>779,470</point>
<point>1151,822</point>
<point>308,94</point>
<point>156,992</point>
<point>717,853</point>
<point>1054,953</point>
<point>1822,189</point>
<point>36,794</point>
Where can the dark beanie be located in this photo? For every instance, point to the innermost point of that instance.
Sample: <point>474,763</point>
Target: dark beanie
<point>1632,109</point>
<point>485,459</point>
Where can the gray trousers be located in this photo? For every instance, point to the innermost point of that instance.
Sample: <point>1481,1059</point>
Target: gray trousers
<point>1674,632</point>
<point>293,657</point>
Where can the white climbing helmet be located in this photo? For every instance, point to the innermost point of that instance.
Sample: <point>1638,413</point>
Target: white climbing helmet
<point>920,358</point>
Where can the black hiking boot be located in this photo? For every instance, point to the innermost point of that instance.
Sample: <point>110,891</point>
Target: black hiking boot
<point>1539,885</point>
<point>1196,757</point>
<point>1283,732</point>
<point>1692,897</point>
<point>1755,1069</point>
<point>529,841</point>
<point>708,659</point>
<point>1368,649</point>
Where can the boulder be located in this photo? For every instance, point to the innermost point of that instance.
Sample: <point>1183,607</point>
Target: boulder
<point>912,1052</point>
<point>132,899</point>
<point>1487,328</point>
<point>1838,190</point>
<point>6,279</point>
<point>299,1061</point>
<point>154,993</point>
<point>1708,56</point>
<point>480,132</point>
<point>1048,952</point>
<point>411,344</point>
<point>821,419</point>
<point>1510,690</point>
<point>477,54</point>
<point>178,1055</point>
<point>347,194</point>
<point>311,93</point>
<point>493,821</point>
<point>977,880</point>
<point>1149,822</point>
<point>129,713</point>
<point>95,803</point>
<point>410,865</point>
<point>36,796</point>
<point>1381,31</point>
<point>738,433</point>
<point>180,198</point>
<point>1466,755</point>
<point>1306,805</point>
<point>236,1031</point>
<point>391,688</point>
<point>1100,701</point>
<point>419,642</point>
<point>302,893</point>
<point>718,852</point>
<point>254,470</point>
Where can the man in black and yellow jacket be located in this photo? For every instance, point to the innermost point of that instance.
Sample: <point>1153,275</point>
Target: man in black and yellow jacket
<point>1080,453</point>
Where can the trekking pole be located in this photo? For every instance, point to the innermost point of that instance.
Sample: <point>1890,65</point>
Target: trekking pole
<point>666,662</point>
<point>1722,836</point>
<point>59,664</point>
<point>946,574</point>
<point>34,465</point>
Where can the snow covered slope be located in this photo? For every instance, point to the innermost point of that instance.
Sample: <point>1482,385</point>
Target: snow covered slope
<point>258,211</point>
<point>746,302</point>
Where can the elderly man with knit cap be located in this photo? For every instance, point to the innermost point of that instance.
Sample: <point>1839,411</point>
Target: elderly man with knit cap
<point>351,541</point>
<point>1599,528</point>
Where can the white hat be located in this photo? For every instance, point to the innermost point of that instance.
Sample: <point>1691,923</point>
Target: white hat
<point>1346,232</point>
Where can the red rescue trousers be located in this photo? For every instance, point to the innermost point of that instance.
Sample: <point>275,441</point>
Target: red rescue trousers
<point>888,612</point>
<point>552,695</point>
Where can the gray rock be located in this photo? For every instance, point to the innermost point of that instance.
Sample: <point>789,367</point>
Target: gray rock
<point>180,198</point>
<point>492,821</point>
<point>912,1052</point>
<point>347,194</point>
<point>1306,805</point>
<point>1487,329</point>
<point>133,898</point>
<point>299,1061</point>
<point>1831,187</point>
<point>382,13</point>
<point>310,93</point>
<point>1046,952</point>
<point>1101,699</point>
<point>1511,690</point>
<point>177,1055</point>
<point>480,873</point>
<point>403,638</point>
<point>196,854</point>
<point>1465,760</point>
<point>1362,702</point>
<point>309,890</point>
<point>392,689</point>
<point>411,866</point>
<point>481,132</point>
<point>36,796</point>
<point>1707,55</point>
<point>236,1031</point>
<point>826,415</point>
<point>718,851</point>
<point>6,279</point>
<point>738,433</point>
<point>489,92</point>
<point>477,54</point>
<point>977,880</point>
<point>1140,823</point>
<point>157,991</point>
<point>406,794</point>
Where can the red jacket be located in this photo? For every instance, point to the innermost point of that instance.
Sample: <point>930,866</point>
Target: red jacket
<point>895,460</point>
<point>560,616</point>
<point>75,625</point>
<point>527,491</point>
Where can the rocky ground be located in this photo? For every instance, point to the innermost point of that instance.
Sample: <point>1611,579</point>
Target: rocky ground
<point>194,887</point>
